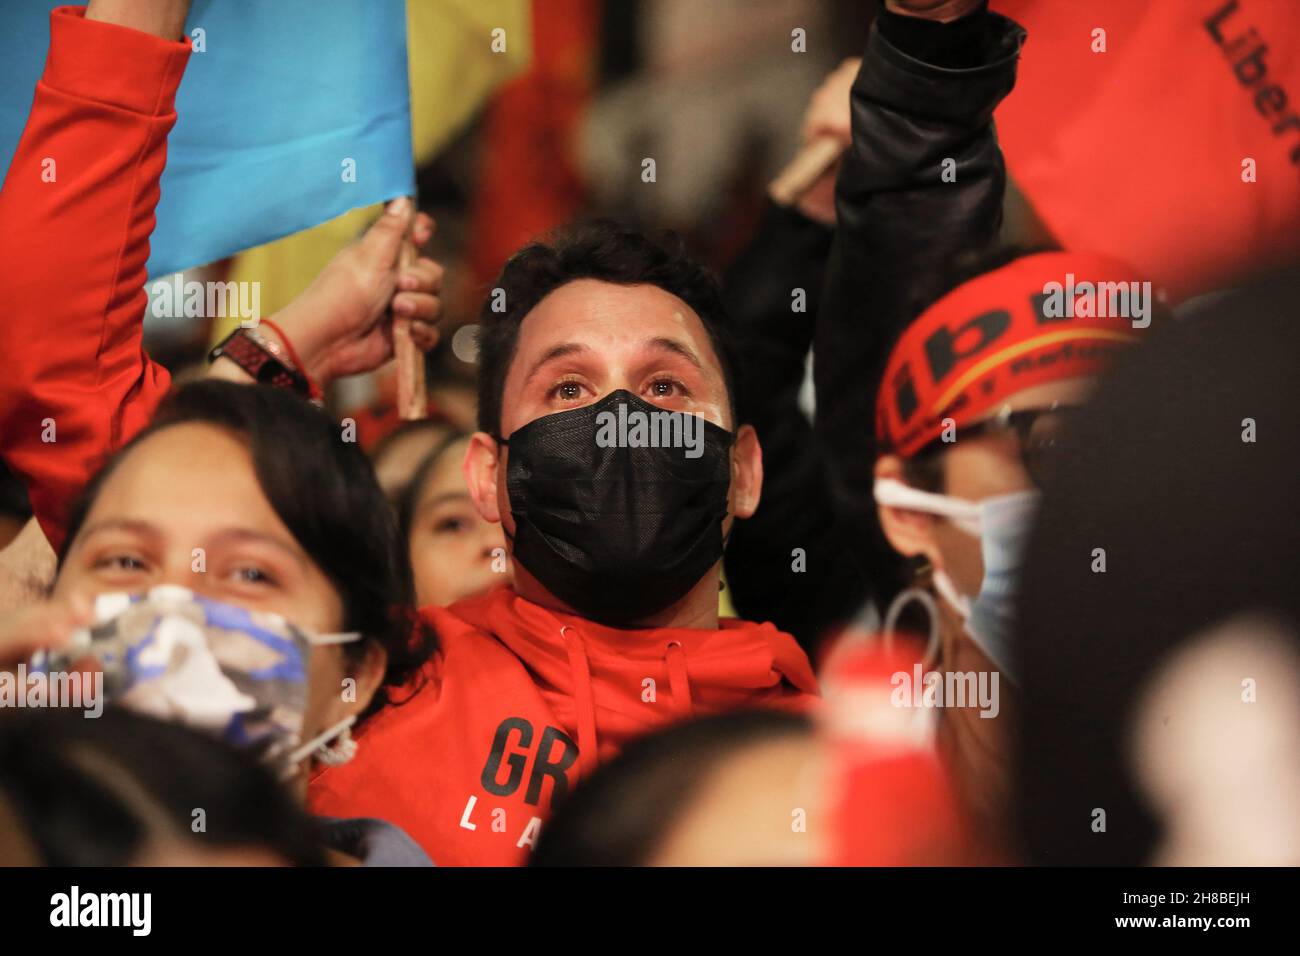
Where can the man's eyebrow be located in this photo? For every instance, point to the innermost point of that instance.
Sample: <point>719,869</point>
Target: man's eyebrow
<point>553,353</point>
<point>677,348</point>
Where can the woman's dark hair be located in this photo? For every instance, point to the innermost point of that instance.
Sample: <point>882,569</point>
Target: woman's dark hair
<point>325,492</point>
<point>13,495</point>
<point>1198,516</point>
<point>411,493</point>
<point>603,250</point>
<point>623,813</point>
<point>96,792</point>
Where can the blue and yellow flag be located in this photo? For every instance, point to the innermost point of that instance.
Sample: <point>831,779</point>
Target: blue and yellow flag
<point>290,113</point>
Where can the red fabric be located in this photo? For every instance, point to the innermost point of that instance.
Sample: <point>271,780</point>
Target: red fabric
<point>889,798</point>
<point>73,253</point>
<point>989,338</point>
<point>72,260</point>
<point>1138,151</point>
<point>506,673</point>
<point>528,183</point>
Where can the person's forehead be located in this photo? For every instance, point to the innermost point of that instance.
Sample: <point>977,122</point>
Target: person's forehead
<point>181,472</point>
<point>192,446</point>
<point>446,475</point>
<point>187,484</point>
<point>610,318</point>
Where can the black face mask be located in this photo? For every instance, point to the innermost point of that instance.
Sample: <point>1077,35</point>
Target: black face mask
<point>614,528</point>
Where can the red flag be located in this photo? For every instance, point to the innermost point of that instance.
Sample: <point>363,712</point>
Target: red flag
<point>1140,151</point>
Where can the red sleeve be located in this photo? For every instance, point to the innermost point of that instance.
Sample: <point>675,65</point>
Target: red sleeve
<point>75,216</point>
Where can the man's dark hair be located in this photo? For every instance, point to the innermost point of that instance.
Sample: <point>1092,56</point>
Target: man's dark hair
<point>602,250</point>
<point>325,492</point>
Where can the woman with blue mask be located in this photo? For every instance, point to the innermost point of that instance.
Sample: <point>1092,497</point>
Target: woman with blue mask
<point>972,416</point>
<point>212,590</point>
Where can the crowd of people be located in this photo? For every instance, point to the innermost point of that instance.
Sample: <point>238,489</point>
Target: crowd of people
<point>1018,590</point>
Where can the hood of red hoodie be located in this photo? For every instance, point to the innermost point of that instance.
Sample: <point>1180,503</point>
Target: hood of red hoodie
<point>609,684</point>
<point>471,762</point>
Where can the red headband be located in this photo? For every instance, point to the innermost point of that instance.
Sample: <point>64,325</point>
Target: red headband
<point>1001,332</point>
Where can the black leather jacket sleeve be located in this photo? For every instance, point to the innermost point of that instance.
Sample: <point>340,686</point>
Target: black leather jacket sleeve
<point>898,220</point>
<point>772,293</point>
<point>901,222</point>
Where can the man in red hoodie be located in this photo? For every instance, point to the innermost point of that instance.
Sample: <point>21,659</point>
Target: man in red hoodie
<point>532,685</point>
<point>610,453</point>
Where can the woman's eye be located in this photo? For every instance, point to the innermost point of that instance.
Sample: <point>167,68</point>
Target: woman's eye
<point>251,575</point>
<point>121,562</point>
<point>449,526</point>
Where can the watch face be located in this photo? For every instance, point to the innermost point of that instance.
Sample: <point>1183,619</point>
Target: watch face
<point>269,371</point>
<point>260,364</point>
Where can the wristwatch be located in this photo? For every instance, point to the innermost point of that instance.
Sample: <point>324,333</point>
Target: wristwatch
<point>263,360</point>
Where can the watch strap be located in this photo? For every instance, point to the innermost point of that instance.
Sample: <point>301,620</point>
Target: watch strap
<point>254,355</point>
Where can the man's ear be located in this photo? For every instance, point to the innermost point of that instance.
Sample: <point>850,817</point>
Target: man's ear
<point>480,471</point>
<point>910,533</point>
<point>746,472</point>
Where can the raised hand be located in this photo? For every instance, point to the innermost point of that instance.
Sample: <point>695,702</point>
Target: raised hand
<point>942,10</point>
<point>342,324</point>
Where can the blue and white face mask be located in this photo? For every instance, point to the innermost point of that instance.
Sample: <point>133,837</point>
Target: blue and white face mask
<point>237,674</point>
<point>1002,523</point>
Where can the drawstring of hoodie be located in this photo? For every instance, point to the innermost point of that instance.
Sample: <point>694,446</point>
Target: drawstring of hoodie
<point>678,679</point>
<point>584,699</point>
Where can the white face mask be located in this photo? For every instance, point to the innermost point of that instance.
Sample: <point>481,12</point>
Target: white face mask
<point>1002,524</point>
<point>237,674</point>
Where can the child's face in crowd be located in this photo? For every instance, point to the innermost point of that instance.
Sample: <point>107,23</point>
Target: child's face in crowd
<point>193,486</point>
<point>589,338</point>
<point>396,465</point>
<point>974,468</point>
<point>453,549</point>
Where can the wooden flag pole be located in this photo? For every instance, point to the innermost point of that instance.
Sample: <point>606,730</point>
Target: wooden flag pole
<point>412,398</point>
<point>805,169</point>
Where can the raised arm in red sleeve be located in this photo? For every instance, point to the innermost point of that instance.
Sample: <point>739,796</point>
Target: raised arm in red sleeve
<point>76,212</point>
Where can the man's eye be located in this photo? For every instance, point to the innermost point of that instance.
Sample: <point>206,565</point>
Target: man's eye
<point>569,391</point>
<point>667,388</point>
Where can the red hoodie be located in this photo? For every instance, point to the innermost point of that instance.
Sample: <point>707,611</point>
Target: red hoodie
<point>72,272</point>
<point>75,216</point>
<point>522,701</point>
